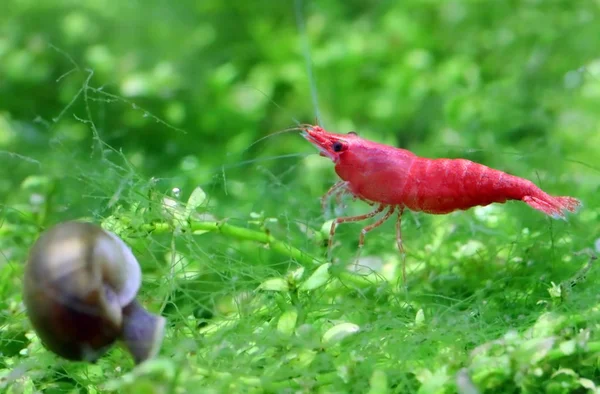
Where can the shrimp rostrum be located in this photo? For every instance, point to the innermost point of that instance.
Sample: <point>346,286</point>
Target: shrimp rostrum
<point>394,179</point>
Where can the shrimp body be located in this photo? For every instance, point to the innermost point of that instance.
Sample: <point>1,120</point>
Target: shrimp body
<point>396,179</point>
<point>441,186</point>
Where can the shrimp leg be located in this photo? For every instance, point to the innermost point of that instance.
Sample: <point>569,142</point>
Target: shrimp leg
<point>333,190</point>
<point>348,219</point>
<point>364,231</point>
<point>399,242</point>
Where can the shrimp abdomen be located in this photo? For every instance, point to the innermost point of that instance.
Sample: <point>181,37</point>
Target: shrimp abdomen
<point>441,186</point>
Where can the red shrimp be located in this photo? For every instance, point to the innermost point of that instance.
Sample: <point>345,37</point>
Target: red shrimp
<point>394,179</point>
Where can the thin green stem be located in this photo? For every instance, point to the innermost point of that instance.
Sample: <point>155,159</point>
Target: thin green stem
<point>296,302</point>
<point>241,233</point>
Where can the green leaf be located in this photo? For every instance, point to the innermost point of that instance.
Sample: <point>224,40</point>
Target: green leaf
<point>317,279</point>
<point>296,274</point>
<point>378,382</point>
<point>196,199</point>
<point>568,347</point>
<point>433,382</point>
<point>174,210</point>
<point>301,358</point>
<point>326,228</point>
<point>565,371</point>
<point>35,181</point>
<point>219,325</point>
<point>114,225</point>
<point>157,370</point>
<point>287,322</point>
<point>420,318</point>
<point>588,384</point>
<point>338,332</point>
<point>469,249</point>
<point>555,290</point>
<point>546,325</point>
<point>274,284</point>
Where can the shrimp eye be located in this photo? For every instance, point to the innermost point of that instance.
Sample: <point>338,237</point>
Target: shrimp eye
<point>337,146</point>
<point>352,133</point>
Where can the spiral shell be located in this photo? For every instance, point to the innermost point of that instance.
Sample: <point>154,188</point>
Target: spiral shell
<point>80,290</point>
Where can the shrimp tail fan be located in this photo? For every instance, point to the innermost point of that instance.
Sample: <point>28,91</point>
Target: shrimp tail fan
<point>553,206</point>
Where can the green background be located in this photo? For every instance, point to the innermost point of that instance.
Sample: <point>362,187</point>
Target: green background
<point>106,106</point>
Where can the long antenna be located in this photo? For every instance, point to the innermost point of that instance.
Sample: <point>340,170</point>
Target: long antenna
<point>306,52</point>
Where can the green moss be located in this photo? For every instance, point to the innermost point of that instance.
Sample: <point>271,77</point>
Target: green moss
<point>141,119</point>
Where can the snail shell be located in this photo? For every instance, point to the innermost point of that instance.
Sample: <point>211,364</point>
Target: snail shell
<point>80,286</point>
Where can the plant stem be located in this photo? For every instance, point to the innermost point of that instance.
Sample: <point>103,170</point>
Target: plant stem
<point>241,233</point>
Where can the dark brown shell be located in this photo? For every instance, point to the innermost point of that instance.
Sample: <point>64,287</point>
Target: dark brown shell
<point>67,327</point>
<point>77,281</point>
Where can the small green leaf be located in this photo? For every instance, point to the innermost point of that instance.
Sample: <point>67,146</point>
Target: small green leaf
<point>274,284</point>
<point>433,382</point>
<point>338,332</point>
<point>257,216</point>
<point>287,322</point>
<point>175,210</point>
<point>250,380</point>
<point>196,199</point>
<point>565,371</point>
<point>296,274</point>
<point>588,384</point>
<point>317,279</point>
<point>568,347</point>
<point>326,228</point>
<point>114,225</point>
<point>378,382</point>
<point>555,290</point>
<point>219,325</point>
<point>546,325</point>
<point>35,181</point>
<point>301,358</point>
<point>420,318</point>
<point>155,370</point>
<point>469,249</point>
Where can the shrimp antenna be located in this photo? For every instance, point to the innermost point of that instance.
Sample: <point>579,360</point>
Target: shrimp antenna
<point>273,134</point>
<point>306,51</point>
<point>275,103</point>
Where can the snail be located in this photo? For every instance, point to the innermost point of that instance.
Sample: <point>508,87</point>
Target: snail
<point>80,290</point>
